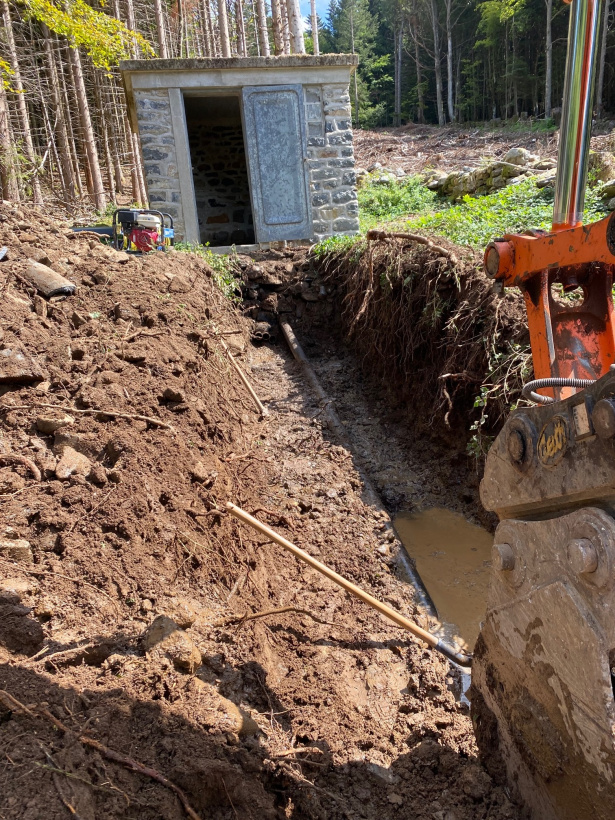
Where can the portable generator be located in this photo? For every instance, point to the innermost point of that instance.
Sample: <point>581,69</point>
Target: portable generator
<point>142,230</point>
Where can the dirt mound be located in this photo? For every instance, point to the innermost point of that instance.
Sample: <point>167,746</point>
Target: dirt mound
<point>130,670</point>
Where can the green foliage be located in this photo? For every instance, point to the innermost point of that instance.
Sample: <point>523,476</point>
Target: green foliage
<point>381,201</point>
<point>105,39</point>
<point>223,267</point>
<point>476,221</point>
<point>333,245</point>
<point>5,73</point>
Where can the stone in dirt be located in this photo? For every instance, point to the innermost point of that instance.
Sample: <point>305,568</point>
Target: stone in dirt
<point>17,367</point>
<point>225,715</point>
<point>17,549</point>
<point>164,637</point>
<point>47,281</point>
<point>48,423</point>
<point>72,463</point>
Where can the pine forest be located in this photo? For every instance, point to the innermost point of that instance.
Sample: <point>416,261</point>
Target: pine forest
<point>63,126</point>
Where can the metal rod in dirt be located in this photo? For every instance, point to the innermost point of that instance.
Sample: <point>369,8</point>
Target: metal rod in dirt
<point>452,653</point>
<point>337,428</point>
<point>262,410</point>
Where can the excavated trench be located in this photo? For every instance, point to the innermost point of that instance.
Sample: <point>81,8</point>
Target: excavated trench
<point>425,480</point>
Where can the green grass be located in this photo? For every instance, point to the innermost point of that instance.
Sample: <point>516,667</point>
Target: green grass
<point>380,202</point>
<point>475,221</point>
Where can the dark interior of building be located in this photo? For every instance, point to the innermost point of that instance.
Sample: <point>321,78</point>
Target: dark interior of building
<point>220,170</point>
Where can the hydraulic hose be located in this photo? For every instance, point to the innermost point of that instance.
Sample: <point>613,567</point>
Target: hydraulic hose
<point>529,389</point>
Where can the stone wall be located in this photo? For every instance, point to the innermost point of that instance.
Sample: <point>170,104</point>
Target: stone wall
<point>221,184</point>
<point>335,209</point>
<point>159,158</point>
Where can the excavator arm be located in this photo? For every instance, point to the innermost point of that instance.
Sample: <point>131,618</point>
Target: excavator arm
<point>542,683</point>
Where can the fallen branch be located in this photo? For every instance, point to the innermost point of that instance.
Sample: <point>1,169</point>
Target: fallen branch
<point>105,751</point>
<point>261,409</point>
<point>91,512</point>
<point>242,619</point>
<point>14,458</point>
<point>91,411</point>
<point>382,236</point>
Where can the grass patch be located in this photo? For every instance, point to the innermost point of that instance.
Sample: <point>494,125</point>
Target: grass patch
<point>223,266</point>
<point>475,221</point>
<point>385,200</point>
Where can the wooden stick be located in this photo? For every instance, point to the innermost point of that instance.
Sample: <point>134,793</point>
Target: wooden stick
<point>380,236</point>
<point>92,411</point>
<point>261,409</point>
<point>390,613</point>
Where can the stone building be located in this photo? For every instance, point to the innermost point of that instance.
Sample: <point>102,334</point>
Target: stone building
<point>247,150</point>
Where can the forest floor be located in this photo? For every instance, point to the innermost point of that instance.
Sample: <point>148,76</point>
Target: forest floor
<point>414,148</point>
<point>131,683</point>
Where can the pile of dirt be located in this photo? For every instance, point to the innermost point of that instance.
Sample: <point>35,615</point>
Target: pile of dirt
<point>131,683</point>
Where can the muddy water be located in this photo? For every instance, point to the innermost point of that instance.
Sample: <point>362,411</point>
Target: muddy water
<point>452,557</point>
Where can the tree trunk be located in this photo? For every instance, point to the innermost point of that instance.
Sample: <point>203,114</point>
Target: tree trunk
<point>398,45</point>
<point>225,43</point>
<point>420,96</point>
<point>603,38</point>
<point>549,61</point>
<point>297,44</point>
<point>285,26</point>
<point>162,40</point>
<point>435,24</point>
<point>98,190</point>
<point>242,47</point>
<point>104,113</point>
<point>68,175</point>
<point>22,108</point>
<point>63,66</point>
<point>449,61</point>
<point>139,167</point>
<point>263,34</point>
<point>314,25</point>
<point>278,26</point>
<point>8,177</point>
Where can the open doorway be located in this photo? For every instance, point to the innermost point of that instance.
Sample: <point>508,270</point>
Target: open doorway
<point>220,170</point>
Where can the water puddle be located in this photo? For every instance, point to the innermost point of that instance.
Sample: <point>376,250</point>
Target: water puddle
<point>452,558</point>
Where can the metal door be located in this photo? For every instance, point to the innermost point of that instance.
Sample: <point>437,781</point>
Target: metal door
<point>275,137</point>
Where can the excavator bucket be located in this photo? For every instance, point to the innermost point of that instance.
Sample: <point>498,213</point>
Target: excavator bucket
<point>542,677</point>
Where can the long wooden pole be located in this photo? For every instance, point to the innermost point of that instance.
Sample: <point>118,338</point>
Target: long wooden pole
<point>261,408</point>
<point>452,653</point>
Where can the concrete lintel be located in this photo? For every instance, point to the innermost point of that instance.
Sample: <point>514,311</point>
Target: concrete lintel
<point>205,64</point>
<point>238,77</point>
<point>184,166</point>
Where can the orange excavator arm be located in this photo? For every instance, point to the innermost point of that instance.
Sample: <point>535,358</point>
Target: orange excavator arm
<point>571,341</point>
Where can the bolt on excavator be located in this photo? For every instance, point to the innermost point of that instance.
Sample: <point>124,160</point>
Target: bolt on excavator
<point>543,671</point>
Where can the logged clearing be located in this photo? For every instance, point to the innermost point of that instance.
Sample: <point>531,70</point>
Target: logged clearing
<point>127,594</point>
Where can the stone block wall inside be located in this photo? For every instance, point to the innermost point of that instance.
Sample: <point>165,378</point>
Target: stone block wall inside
<point>159,158</point>
<point>220,171</point>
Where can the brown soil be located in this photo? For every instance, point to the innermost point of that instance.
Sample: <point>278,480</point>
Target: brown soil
<point>413,148</point>
<point>325,714</point>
